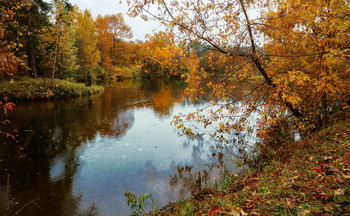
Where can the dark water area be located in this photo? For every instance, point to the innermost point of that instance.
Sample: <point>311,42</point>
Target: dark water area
<point>77,157</point>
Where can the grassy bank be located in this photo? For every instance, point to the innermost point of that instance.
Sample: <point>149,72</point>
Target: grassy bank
<point>310,178</point>
<point>30,89</point>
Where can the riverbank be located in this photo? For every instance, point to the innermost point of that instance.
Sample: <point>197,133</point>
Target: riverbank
<point>312,177</point>
<point>34,89</point>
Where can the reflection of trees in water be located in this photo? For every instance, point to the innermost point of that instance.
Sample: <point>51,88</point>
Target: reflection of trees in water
<point>181,180</point>
<point>42,162</point>
<point>186,179</point>
<point>164,94</point>
<point>166,186</point>
<point>116,113</point>
<point>196,149</point>
<point>163,102</point>
<point>29,181</point>
<point>45,132</point>
<point>48,131</point>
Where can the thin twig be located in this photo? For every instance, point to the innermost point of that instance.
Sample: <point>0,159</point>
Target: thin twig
<point>31,202</point>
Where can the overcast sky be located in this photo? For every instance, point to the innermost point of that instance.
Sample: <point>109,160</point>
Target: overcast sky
<point>96,7</point>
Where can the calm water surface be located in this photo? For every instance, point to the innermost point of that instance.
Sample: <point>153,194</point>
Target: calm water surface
<point>77,157</point>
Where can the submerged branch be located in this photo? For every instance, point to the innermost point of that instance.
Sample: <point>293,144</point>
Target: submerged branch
<point>31,202</point>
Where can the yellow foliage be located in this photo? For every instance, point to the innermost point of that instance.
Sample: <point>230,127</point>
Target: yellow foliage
<point>88,54</point>
<point>298,50</point>
<point>162,47</point>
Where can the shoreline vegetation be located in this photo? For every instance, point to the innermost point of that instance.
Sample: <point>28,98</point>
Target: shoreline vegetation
<point>308,177</point>
<point>40,89</point>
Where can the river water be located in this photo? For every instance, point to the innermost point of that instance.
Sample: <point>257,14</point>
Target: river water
<point>77,157</point>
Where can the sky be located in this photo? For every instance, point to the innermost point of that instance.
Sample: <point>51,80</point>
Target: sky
<point>139,27</point>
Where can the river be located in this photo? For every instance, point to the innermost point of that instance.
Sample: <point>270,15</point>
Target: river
<point>78,156</point>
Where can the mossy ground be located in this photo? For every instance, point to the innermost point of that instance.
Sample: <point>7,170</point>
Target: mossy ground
<point>311,178</point>
<point>30,89</point>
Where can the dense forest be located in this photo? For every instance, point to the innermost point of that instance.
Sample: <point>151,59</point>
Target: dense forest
<point>58,40</point>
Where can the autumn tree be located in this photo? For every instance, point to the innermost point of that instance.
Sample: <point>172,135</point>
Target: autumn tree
<point>171,54</point>
<point>162,46</point>
<point>117,27</point>
<point>112,31</point>
<point>298,48</point>
<point>58,48</point>
<point>35,17</point>
<point>308,50</point>
<point>104,42</point>
<point>12,65</point>
<point>86,42</point>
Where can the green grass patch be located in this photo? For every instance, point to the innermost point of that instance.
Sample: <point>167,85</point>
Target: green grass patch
<point>31,89</point>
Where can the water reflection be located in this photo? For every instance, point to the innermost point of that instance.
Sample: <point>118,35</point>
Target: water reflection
<point>77,157</point>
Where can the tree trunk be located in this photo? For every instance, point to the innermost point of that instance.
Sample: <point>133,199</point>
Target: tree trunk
<point>31,59</point>
<point>55,58</point>
<point>262,71</point>
<point>30,46</point>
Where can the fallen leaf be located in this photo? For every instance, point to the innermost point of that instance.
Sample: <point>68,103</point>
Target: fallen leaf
<point>346,176</point>
<point>327,158</point>
<point>339,192</point>
<point>234,212</point>
<point>215,210</point>
<point>328,208</point>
